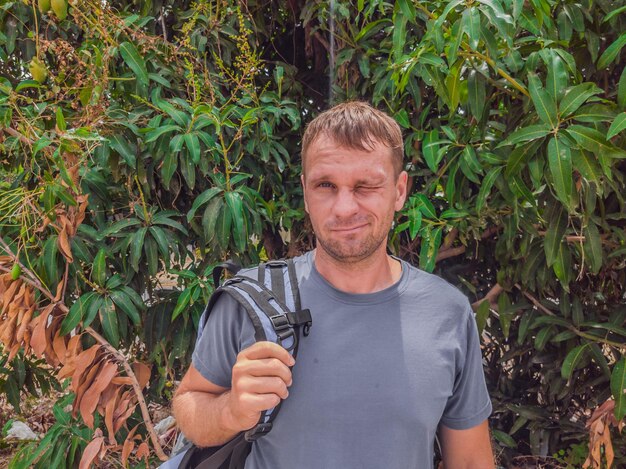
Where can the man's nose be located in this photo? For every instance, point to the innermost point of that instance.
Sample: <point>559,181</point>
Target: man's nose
<point>345,204</point>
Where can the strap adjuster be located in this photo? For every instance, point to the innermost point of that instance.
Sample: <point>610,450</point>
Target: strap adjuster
<point>276,263</point>
<point>257,431</point>
<point>280,322</point>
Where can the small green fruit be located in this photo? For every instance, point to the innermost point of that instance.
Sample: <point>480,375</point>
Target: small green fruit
<point>44,6</point>
<point>59,7</point>
<point>16,271</point>
<point>38,70</point>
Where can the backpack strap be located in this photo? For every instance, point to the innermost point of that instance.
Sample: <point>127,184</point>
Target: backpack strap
<point>273,305</point>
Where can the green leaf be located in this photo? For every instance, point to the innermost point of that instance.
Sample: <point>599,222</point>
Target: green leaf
<point>222,227</point>
<point>593,247</point>
<point>118,226</point>
<point>201,200</point>
<point>560,163</point>
<point>121,146</point>
<point>504,438</point>
<point>587,165</point>
<point>415,222</point>
<point>471,18</point>
<point>77,312</point>
<point>558,78</point>
<point>162,242</point>
<point>136,247</point>
<point>429,248</point>
<point>572,360</point>
<point>618,388</point>
<point>520,156</point>
<point>60,120</point>
<point>617,126</point>
<point>234,203</point>
<point>209,218</point>
<point>430,145</point>
<point>611,52</point>
<point>563,265</point>
<point>407,8</point>
<point>425,206</point>
<point>134,296</point>
<point>156,133</point>
<point>110,325</point>
<point>575,96</point>
<point>136,63</point>
<point>621,90</point>
<point>557,221</point>
<point>453,86</point>
<point>614,13</point>
<point>476,88</point>
<point>485,187</point>
<point>526,134</point>
<point>170,163</point>
<point>193,145</point>
<point>181,304</point>
<point>589,139</point>
<point>98,272</point>
<point>92,310</point>
<point>123,302</point>
<point>544,103</point>
<point>481,315</point>
<point>543,337</point>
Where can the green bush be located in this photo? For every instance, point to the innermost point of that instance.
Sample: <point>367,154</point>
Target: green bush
<point>181,122</point>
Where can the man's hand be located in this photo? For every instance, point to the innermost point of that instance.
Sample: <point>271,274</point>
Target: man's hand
<point>260,379</point>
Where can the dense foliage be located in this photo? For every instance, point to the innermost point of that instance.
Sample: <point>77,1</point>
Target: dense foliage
<point>143,142</point>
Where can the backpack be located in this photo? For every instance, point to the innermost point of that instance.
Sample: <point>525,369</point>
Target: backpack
<point>273,305</point>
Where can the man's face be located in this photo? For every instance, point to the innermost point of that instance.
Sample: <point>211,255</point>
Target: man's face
<point>351,196</point>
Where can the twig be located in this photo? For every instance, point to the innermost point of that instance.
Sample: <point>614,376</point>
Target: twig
<point>141,401</point>
<point>490,297</point>
<point>535,301</point>
<point>22,138</point>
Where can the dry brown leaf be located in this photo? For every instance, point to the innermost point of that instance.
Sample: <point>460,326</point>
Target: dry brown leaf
<point>64,245</point>
<point>91,397</point>
<point>73,347</point>
<point>143,451</point>
<point>91,452</point>
<point>85,382</point>
<point>60,347</point>
<point>129,445</point>
<point>59,292</point>
<point>38,340</point>
<point>83,360</point>
<point>25,322</point>
<point>109,411</point>
<point>142,372</point>
<point>123,380</point>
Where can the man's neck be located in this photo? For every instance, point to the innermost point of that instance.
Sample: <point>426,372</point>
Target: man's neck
<point>373,274</point>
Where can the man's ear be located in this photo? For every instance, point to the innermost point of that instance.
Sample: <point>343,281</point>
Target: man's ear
<point>306,207</point>
<point>401,188</point>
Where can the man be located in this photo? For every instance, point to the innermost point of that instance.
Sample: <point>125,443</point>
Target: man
<point>393,355</point>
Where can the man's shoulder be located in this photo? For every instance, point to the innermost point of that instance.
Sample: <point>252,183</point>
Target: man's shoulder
<point>423,283</point>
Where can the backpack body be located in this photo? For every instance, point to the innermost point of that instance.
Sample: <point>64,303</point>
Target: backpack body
<point>273,305</point>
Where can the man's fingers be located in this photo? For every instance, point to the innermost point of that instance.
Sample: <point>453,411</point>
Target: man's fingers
<point>262,385</point>
<point>260,402</point>
<point>268,367</point>
<point>266,349</point>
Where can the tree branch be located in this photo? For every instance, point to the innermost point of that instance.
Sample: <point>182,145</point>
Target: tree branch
<point>491,297</point>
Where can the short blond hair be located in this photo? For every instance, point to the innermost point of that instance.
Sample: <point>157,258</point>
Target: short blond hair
<point>356,124</point>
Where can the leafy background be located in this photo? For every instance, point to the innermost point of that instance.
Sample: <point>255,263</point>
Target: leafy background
<point>143,142</point>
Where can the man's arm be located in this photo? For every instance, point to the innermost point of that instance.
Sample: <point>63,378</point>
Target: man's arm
<point>211,415</point>
<point>467,449</point>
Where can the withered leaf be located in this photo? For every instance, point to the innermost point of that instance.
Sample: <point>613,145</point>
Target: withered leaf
<point>142,372</point>
<point>91,451</point>
<point>91,397</point>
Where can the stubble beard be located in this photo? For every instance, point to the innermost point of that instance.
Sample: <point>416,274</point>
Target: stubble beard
<point>352,251</point>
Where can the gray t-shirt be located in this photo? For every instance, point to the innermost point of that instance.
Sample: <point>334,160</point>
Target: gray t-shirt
<point>373,380</point>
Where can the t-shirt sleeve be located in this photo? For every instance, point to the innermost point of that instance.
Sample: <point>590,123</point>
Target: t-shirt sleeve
<point>227,331</point>
<point>469,404</point>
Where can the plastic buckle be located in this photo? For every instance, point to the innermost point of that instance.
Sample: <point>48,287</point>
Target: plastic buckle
<point>257,431</point>
<point>232,280</point>
<point>280,322</point>
<point>276,263</point>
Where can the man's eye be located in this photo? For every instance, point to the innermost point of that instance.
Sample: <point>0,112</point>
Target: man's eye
<point>325,185</point>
